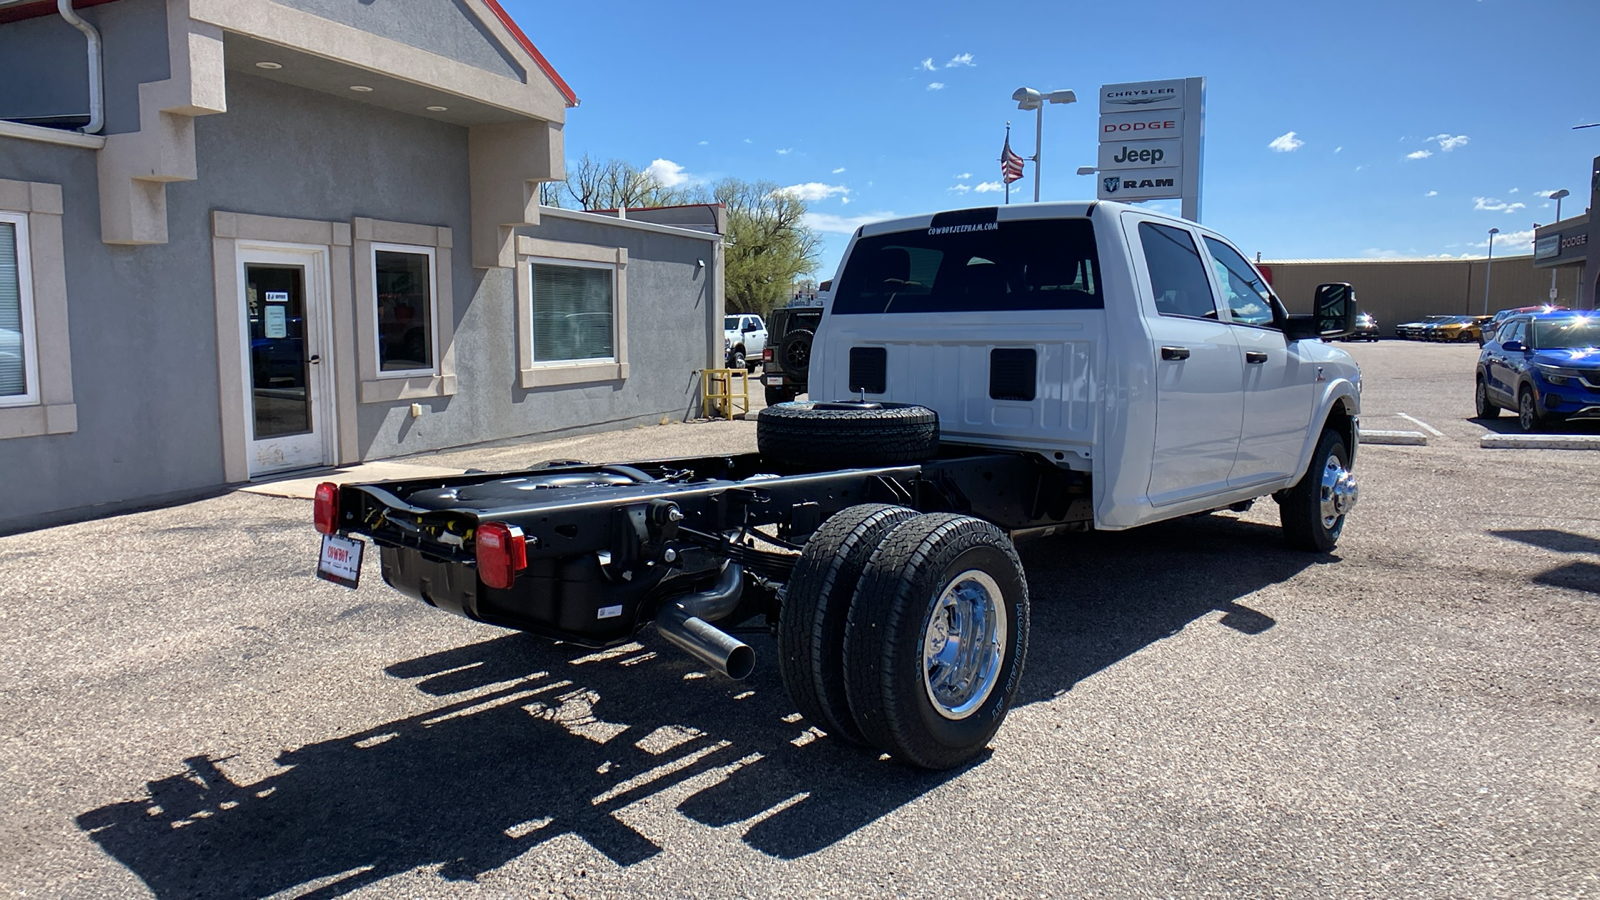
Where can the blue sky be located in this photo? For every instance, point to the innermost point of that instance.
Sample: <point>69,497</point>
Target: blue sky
<point>1405,128</point>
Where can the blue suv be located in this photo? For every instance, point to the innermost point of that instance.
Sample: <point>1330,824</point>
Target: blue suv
<point>1546,366</point>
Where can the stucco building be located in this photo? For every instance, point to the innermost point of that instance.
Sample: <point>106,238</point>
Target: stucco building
<point>300,233</point>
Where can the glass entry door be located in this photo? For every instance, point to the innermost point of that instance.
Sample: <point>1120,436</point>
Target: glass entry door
<point>284,360</point>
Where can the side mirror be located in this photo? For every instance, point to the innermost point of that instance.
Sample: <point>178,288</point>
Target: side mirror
<point>1334,315</point>
<point>1336,310</point>
<point>1514,347</point>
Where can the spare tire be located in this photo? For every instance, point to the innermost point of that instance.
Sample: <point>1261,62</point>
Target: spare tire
<point>794,354</point>
<point>847,434</point>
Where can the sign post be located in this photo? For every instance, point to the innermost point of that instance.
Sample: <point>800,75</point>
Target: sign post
<point>1152,142</point>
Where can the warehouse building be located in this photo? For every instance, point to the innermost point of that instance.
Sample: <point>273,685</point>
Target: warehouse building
<point>1404,290</point>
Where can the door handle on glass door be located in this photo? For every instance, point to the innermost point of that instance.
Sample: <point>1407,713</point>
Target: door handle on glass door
<point>1174,353</point>
<point>315,359</point>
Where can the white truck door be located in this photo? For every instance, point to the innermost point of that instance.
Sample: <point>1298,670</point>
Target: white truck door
<point>1199,366</point>
<point>1278,387</point>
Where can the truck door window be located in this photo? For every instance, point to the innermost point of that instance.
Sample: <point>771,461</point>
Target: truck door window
<point>1030,264</point>
<point>1177,276</point>
<point>1249,300</point>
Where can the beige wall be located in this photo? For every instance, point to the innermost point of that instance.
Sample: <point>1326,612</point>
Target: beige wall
<point>1399,291</point>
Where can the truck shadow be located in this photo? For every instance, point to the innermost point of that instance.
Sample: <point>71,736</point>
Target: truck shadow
<point>1578,575</point>
<point>529,742</point>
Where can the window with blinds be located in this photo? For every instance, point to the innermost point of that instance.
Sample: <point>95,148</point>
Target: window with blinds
<point>574,307</point>
<point>14,384</point>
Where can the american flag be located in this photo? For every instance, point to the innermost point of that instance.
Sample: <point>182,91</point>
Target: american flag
<point>1010,162</point>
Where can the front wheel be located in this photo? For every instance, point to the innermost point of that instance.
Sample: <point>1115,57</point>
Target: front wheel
<point>936,639</point>
<point>736,361</point>
<point>1528,417</point>
<point>1486,407</point>
<point>1313,511</point>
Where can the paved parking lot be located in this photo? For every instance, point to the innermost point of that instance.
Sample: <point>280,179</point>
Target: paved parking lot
<point>189,713</point>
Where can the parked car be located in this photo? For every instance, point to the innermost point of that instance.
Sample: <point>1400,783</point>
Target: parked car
<point>743,338</point>
<point>786,363</point>
<point>1546,366</point>
<point>1413,330</point>
<point>1494,322</point>
<point>1366,328</point>
<point>1456,329</point>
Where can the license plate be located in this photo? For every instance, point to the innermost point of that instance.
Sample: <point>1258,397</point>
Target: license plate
<point>775,381</point>
<point>340,561</point>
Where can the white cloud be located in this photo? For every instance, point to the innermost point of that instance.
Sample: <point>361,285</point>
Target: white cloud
<point>1419,154</point>
<point>1286,143</point>
<point>1490,204</point>
<point>961,59</point>
<point>959,188</point>
<point>928,66</point>
<point>831,224</point>
<point>667,173</point>
<point>785,151</point>
<point>1375,253</point>
<point>812,191</point>
<point>838,170</point>
<point>844,201</point>
<point>1360,167</point>
<point>1509,241</point>
<point>1545,194</point>
<point>1338,149</point>
<point>704,143</point>
<point>1448,142</point>
<point>989,187</point>
<point>962,177</point>
<point>1513,190</point>
<point>748,141</point>
<point>935,85</point>
<point>1431,194</point>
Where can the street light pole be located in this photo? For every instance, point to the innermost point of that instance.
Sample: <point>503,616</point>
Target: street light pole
<point>1557,197</point>
<point>1030,99</point>
<point>1488,270</point>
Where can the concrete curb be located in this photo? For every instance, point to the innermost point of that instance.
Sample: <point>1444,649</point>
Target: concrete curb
<point>1540,442</point>
<point>1396,438</point>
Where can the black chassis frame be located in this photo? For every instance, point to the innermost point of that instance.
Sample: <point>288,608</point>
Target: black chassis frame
<point>603,557</point>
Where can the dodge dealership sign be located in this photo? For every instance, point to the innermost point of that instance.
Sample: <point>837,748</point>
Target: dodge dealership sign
<point>1152,135</point>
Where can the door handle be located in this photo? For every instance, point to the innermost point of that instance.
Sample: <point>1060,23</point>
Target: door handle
<point>1174,353</point>
<point>1254,357</point>
<point>315,359</point>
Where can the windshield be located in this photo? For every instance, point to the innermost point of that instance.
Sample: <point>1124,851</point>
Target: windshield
<point>1566,334</point>
<point>1013,265</point>
<point>730,323</point>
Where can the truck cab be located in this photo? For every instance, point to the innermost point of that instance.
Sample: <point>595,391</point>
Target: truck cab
<point>1141,348</point>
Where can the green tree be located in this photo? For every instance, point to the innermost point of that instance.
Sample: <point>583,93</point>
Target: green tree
<point>768,244</point>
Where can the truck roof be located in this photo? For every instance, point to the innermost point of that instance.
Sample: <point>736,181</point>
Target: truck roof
<point>1015,211</point>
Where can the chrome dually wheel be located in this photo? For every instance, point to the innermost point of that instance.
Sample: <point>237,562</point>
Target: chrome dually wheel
<point>963,644</point>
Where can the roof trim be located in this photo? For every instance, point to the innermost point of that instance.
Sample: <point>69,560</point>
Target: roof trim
<point>1367,260</point>
<point>41,8</point>
<point>598,219</point>
<point>516,32</point>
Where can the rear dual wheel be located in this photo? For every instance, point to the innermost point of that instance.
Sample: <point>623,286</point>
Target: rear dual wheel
<point>926,662</point>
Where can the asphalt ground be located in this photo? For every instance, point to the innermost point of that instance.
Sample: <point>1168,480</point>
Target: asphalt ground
<point>189,713</point>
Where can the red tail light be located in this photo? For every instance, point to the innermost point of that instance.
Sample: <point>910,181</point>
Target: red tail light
<point>766,355</point>
<point>325,508</point>
<point>502,553</point>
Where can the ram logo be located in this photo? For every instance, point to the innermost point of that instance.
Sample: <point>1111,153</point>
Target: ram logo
<point>1112,183</point>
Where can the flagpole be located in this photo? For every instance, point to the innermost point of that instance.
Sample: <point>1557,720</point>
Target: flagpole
<point>1002,163</point>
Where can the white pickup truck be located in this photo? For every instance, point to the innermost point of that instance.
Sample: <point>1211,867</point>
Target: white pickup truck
<point>744,336</point>
<point>997,374</point>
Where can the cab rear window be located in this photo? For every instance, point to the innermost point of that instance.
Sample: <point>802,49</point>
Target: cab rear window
<point>1019,265</point>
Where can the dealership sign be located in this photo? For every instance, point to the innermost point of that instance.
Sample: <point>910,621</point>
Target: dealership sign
<point>1152,135</point>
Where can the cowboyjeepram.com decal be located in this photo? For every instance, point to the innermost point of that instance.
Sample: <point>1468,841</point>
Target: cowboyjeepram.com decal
<point>957,229</point>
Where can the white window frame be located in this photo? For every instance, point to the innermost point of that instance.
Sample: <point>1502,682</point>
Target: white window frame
<point>433,309</point>
<point>574,264</point>
<point>30,339</point>
<point>556,373</point>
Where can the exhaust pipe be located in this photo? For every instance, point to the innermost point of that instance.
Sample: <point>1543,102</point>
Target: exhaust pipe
<point>683,622</point>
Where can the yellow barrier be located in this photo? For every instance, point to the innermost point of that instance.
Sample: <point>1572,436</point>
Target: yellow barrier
<point>717,395</point>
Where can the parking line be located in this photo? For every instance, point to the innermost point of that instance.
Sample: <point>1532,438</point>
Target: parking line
<point>1425,426</point>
